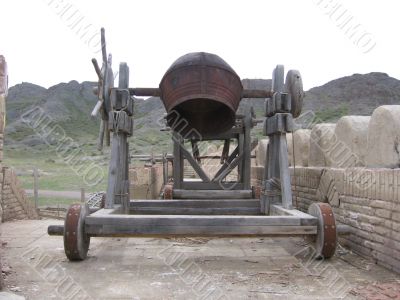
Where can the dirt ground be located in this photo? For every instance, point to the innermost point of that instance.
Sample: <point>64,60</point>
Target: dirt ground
<point>34,266</point>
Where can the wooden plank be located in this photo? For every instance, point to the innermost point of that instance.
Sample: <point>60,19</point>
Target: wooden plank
<point>107,211</point>
<point>236,162</point>
<point>212,194</point>
<point>194,164</point>
<point>196,185</point>
<point>306,219</point>
<point>195,203</point>
<point>227,163</point>
<point>190,221</point>
<point>231,134</point>
<point>165,231</point>
<point>177,210</point>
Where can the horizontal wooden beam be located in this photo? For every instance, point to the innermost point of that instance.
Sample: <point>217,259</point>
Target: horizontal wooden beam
<point>215,186</point>
<point>207,231</point>
<point>145,92</point>
<point>306,219</point>
<point>253,93</point>
<point>196,207</point>
<point>156,92</point>
<point>196,203</point>
<point>212,194</point>
<point>176,210</point>
<point>189,221</point>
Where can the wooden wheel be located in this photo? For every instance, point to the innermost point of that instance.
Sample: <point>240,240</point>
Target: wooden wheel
<point>76,242</point>
<point>326,239</point>
<point>294,86</point>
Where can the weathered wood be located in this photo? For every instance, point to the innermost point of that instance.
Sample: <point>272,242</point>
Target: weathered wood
<point>118,189</point>
<point>113,170</point>
<point>253,93</point>
<point>236,162</point>
<point>193,163</point>
<point>100,142</point>
<point>190,221</point>
<point>145,92</point>
<point>251,211</point>
<point>108,211</point>
<point>306,219</point>
<point>286,188</point>
<point>177,162</point>
<point>278,123</point>
<point>195,203</point>
<point>82,195</point>
<point>212,194</point>
<point>247,150</point>
<point>36,187</point>
<point>227,163</point>
<point>155,92</point>
<point>206,231</point>
<point>197,185</point>
<point>272,165</point>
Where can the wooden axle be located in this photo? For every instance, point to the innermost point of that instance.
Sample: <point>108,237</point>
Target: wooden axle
<point>156,92</point>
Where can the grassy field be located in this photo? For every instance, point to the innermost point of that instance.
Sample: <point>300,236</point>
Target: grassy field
<point>55,174</point>
<point>54,201</point>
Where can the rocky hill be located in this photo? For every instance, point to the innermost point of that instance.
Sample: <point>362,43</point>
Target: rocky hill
<point>69,104</point>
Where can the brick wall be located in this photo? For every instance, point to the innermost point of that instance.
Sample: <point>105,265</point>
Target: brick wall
<point>368,200</point>
<point>14,202</point>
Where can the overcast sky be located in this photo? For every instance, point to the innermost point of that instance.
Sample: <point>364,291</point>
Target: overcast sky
<point>50,41</point>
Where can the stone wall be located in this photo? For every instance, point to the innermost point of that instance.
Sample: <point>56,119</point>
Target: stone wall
<point>14,202</point>
<point>368,200</point>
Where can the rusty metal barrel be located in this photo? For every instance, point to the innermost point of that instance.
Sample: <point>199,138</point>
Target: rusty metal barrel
<point>201,94</point>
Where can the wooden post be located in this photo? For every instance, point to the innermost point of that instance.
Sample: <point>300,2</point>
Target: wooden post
<point>82,195</point>
<point>246,179</point>
<point>121,125</point>
<point>36,186</point>
<point>178,161</point>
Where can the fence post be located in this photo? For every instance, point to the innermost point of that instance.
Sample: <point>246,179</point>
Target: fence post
<point>82,195</point>
<point>36,186</point>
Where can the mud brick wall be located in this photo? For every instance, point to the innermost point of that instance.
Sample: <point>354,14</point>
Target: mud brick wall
<point>14,202</point>
<point>368,200</point>
<point>145,182</point>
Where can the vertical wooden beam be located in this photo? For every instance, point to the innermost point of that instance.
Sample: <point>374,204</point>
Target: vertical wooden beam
<point>36,186</point>
<point>196,167</point>
<point>118,174</point>
<point>82,195</point>
<point>178,160</point>
<point>247,151</point>
<point>113,172</point>
<point>165,169</point>
<point>286,188</point>
<point>241,150</point>
<point>272,165</point>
